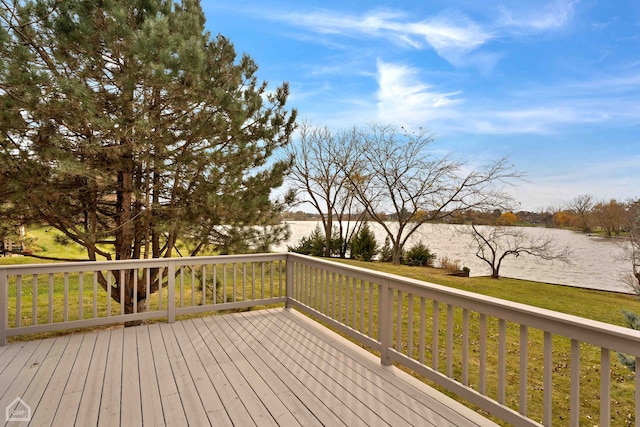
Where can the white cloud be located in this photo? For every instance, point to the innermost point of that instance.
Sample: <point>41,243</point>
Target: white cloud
<point>451,35</point>
<point>403,98</point>
<point>553,16</point>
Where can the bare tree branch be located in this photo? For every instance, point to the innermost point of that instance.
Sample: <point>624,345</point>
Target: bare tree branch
<point>493,244</point>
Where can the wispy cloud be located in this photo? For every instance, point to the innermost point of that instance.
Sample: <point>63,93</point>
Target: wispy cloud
<point>450,34</point>
<point>402,97</point>
<point>552,16</point>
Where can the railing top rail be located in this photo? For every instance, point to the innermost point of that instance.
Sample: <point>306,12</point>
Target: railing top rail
<point>585,330</point>
<point>62,267</point>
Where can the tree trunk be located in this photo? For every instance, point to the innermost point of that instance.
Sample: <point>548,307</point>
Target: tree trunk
<point>327,235</point>
<point>397,255</point>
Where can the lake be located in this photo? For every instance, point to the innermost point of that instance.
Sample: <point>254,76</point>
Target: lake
<point>597,262</point>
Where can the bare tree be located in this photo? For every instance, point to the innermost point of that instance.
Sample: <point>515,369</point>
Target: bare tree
<point>495,243</point>
<point>401,179</point>
<point>323,159</point>
<point>581,206</point>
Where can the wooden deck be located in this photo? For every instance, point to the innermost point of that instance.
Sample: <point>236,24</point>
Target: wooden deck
<point>267,367</point>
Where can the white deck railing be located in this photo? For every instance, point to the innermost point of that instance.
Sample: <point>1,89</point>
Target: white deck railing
<point>466,347</point>
<point>70,295</point>
<point>459,340</point>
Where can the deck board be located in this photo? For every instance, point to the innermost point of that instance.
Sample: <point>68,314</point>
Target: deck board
<point>265,367</point>
<point>112,392</point>
<point>72,394</point>
<point>170,402</point>
<point>92,392</point>
<point>149,390</point>
<point>131,405</point>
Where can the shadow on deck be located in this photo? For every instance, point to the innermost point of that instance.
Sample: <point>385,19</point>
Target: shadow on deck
<point>266,367</point>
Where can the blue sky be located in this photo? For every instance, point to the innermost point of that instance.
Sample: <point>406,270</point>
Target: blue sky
<point>553,85</point>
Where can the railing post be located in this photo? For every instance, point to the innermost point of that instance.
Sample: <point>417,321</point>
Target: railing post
<point>289,281</point>
<point>385,316</point>
<point>171,292</point>
<point>4,307</point>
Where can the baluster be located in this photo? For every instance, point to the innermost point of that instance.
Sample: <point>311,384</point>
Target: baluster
<point>244,281</point>
<point>435,331</point>
<point>148,289</point>
<point>548,384</point>
<point>605,388</point>
<point>362,288</point>
<point>271,281</point>
<point>109,293</point>
<point>371,334</point>
<point>18,301</point>
<point>95,292</point>
<point>482,386</point>
<point>122,286</point>
<point>135,290</point>
<point>399,297</point>
<point>235,276</point>
<point>574,405</point>
<point>449,340</point>
<point>215,283</point>
<point>502,360</point>
<point>353,302</point>
<point>80,296</point>
<point>193,285</point>
<point>465,346</point>
<point>95,296</point>
<point>339,318</point>
<point>204,285</point>
<point>34,300</point>
<point>423,326</point>
<point>524,359</point>
<point>410,326</point>
<point>262,284</point>
<point>182,287</point>
<point>160,288</point>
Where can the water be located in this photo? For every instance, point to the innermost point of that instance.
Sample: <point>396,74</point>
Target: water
<point>596,262</point>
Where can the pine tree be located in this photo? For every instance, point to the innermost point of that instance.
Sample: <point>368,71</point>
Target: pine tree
<point>364,246</point>
<point>129,128</point>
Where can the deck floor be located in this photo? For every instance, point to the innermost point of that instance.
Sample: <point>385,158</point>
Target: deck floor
<point>264,368</point>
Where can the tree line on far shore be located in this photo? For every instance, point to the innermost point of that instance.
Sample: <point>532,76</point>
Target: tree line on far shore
<point>583,213</point>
